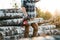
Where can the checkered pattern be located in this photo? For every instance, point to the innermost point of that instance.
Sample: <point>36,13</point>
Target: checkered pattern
<point>29,5</point>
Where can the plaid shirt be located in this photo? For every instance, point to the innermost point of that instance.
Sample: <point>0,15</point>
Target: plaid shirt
<point>29,5</point>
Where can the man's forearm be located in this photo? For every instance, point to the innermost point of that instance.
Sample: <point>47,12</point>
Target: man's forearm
<point>24,11</point>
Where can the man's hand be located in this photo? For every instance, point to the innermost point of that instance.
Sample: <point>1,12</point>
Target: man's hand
<point>37,0</point>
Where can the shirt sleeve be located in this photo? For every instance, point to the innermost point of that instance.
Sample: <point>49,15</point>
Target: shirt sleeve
<point>22,3</point>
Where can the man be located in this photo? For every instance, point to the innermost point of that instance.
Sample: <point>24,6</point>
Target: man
<point>28,8</point>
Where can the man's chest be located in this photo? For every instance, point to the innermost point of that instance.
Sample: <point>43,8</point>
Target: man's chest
<point>29,3</point>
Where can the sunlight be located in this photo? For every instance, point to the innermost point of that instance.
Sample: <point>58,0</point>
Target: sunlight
<point>5,4</point>
<point>50,5</point>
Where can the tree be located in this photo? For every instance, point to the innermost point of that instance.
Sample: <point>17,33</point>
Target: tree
<point>47,15</point>
<point>39,13</point>
<point>57,21</point>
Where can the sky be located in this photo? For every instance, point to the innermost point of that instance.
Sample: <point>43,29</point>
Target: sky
<point>50,5</point>
<point>5,4</point>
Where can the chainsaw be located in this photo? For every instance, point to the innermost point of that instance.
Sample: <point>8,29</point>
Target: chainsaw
<point>24,21</point>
